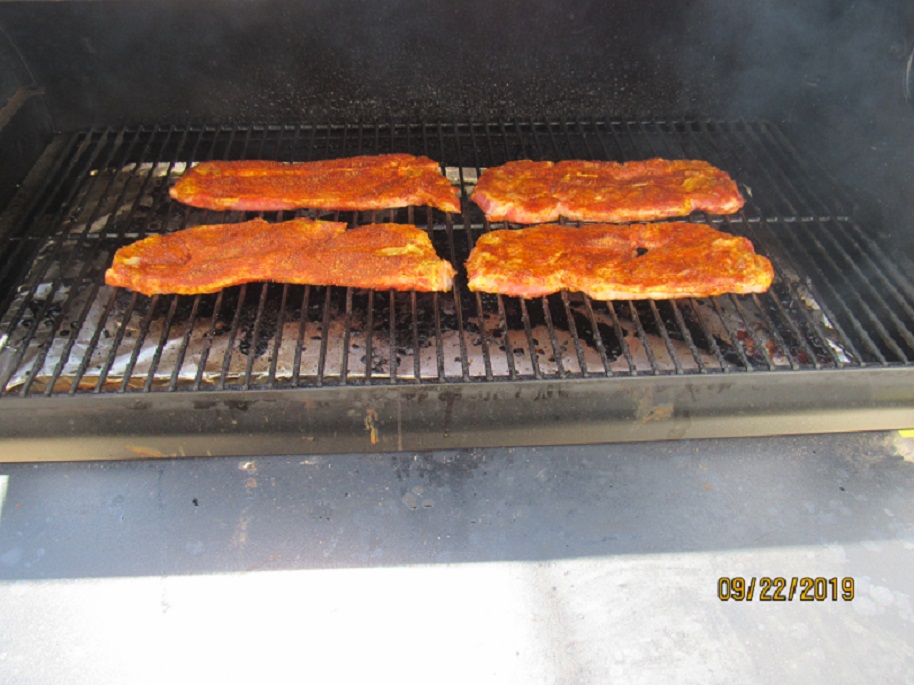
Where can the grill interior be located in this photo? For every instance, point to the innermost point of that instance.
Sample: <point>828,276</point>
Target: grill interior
<point>838,300</point>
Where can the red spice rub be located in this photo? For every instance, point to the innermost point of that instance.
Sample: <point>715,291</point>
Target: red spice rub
<point>529,192</point>
<point>610,262</point>
<point>355,183</point>
<point>206,259</point>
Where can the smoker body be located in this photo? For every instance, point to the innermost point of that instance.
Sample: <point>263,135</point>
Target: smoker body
<point>455,487</point>
<point>106,102</point>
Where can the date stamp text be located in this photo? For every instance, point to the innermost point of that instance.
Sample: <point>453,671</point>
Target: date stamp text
<point>781,589</point>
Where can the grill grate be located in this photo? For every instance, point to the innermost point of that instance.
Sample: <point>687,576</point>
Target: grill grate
<point>838,300</point>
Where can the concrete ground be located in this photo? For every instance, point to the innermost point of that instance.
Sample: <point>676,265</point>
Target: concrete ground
<point>593,564</point>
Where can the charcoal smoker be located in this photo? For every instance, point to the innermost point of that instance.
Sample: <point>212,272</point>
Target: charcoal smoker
<point>107,103</point>
<point>342,483</point>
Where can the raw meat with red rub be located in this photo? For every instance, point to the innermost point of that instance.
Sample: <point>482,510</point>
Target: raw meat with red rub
<point>613,262</point>
<point>207,258</point>
<point>527,192</point>
<point>354,183</point>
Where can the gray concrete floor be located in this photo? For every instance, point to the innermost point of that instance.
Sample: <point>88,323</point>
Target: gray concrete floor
<point>541,565</point>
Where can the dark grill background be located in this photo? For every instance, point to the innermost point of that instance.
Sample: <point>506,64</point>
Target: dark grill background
<point>838,299</point>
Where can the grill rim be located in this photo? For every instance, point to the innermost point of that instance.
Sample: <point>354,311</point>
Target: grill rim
<point>444,416</point>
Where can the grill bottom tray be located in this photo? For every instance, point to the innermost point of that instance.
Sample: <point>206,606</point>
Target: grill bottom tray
<point>88,371</point>
<point>370,419</point>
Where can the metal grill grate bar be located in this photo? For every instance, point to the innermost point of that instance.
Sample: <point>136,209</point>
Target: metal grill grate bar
<point>369,337</point>
<point>278,341</point>
<point>185,341</point>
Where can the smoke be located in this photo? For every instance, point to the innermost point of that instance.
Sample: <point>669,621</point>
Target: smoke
<point>833,72</point>
<point>777,59</point>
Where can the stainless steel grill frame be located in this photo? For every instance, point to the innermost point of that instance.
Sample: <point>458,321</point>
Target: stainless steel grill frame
<point>830,347</point>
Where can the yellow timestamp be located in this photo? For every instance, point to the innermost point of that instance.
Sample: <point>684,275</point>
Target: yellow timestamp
<point>781,589</point>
